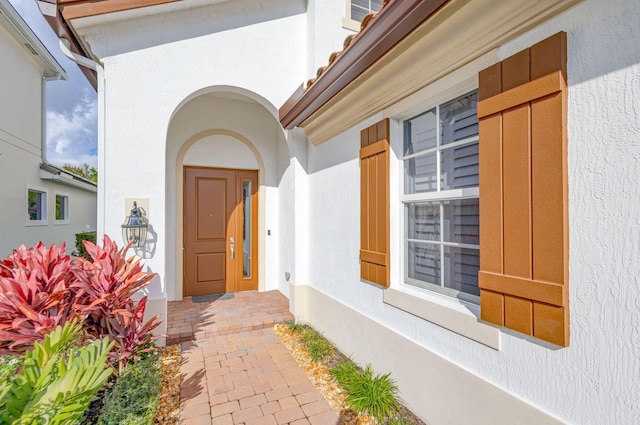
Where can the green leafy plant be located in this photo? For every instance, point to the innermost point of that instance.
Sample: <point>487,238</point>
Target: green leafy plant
<point>373,394</point>
<point>345,372</point>
<point>57,381</point>
<point>35,295</point>
<point>318,346</point>
<point>134,397</point>
<point>80,249</point>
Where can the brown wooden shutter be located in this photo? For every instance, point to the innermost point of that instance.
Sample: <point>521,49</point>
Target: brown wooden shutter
<point>374,203</point>
<point>523,274</point>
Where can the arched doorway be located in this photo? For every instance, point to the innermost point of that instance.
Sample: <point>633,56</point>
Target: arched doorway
<point>223,173</point>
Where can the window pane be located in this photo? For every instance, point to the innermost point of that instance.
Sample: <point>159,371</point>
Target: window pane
<point>462,221</point>
<point>459,119</point>
<point>424,221</point>
<point>34,207</point>
<point>421,173</point>
<point>60,207</point>
<point>424,263</point>
<point>420,133</point>
<point>461,269</point>
<point>376,5</point>
<point>357,13</point>
<point>459,167</point>
<point>246,228</point>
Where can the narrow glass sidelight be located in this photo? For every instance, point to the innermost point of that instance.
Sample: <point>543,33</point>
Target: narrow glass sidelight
<point>246,228</point>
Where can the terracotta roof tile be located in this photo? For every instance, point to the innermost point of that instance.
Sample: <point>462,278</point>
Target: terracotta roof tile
<point>351,39</point>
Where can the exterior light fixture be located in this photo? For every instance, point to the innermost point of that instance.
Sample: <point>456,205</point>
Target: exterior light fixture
<point>135,227</point>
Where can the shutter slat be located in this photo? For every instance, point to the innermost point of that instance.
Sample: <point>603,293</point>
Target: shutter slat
<point>516,164</point>
<point>546,292</point>
<point>541,87</point>
<point>491,194</point>
<point>548,195</point>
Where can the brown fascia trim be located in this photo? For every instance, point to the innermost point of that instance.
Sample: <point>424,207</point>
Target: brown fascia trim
<point>75,9</point>
<point>63,30</point>
<point>392,24</point>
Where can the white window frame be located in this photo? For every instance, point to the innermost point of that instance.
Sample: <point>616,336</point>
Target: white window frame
<point>450,313</point>
<point>43,208</point>
<point>436,196</point>
<point>67,209</point>
<point>347,22</point>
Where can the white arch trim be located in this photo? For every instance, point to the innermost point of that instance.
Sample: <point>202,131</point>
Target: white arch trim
<point>228,89</point>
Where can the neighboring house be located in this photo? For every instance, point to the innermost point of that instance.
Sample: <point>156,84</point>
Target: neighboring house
<point>40,202</point>
<point>455,198</point>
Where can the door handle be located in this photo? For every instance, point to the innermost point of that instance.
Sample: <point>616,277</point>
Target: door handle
<point>231,247</point>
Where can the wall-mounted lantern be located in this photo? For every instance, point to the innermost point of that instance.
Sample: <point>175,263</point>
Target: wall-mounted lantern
<point>135,227</point>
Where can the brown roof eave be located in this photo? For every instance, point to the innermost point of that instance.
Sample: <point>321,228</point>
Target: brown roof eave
<point>392,24</point>
<point>62,30</point>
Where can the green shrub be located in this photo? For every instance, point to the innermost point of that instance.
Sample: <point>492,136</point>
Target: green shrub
<point>134,397</point>
<point>375,395</point>
<point>57,381</point>
<point>80,249</point>
<point>318,346</point>
<point>345,372</point>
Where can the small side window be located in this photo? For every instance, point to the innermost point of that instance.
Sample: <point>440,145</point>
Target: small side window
<point>62,209</point>
<point>36,207</point>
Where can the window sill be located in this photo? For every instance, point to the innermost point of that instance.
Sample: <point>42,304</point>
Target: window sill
<point>456,316</point>
<point>60,222</point>
<point>350,24</point>
<point>33,223</point>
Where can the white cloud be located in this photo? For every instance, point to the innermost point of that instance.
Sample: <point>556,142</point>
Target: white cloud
<point>71,136</point>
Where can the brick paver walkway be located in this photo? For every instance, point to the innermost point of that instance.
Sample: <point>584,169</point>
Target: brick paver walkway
<point>234,368</point>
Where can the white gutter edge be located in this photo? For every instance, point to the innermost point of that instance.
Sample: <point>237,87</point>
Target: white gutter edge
<point>67,180</point>
<point>22,28</point>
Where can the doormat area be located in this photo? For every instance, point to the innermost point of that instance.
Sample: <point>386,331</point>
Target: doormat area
<point>212,297</point>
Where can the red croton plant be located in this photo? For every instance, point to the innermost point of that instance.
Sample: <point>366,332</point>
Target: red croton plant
<point>42,287</point>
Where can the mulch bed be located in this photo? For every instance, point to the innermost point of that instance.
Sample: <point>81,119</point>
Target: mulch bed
<point>318,373</point>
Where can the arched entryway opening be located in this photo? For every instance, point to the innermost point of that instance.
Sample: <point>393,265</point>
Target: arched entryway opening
<point>223,174</point>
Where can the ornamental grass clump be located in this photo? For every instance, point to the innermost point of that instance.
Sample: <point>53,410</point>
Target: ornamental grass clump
<point>372,394</point>
<point>317,345</point>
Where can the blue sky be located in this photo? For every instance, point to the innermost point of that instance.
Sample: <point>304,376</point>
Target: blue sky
<point>72,118</point>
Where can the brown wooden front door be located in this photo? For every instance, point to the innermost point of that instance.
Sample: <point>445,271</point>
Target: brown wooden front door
<point>220,230</point>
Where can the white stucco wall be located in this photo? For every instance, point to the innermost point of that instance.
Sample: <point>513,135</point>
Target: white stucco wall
<point>153,80</point>
<point>21,155</point>
<point>151,73</point>
<point>593,381</point>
